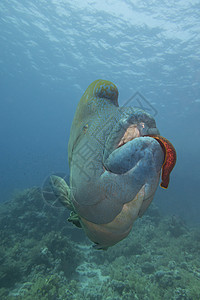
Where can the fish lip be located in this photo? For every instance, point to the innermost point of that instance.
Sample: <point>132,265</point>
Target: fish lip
<point>122,165</point>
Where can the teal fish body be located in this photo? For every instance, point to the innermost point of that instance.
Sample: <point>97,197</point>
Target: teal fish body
<point>114,166</point>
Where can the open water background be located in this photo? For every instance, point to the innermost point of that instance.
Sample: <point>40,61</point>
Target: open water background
<point>50,51</point>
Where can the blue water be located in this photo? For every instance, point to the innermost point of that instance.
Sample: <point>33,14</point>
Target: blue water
<point>50,51</point>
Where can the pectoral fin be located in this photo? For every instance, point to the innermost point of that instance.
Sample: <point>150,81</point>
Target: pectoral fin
<point>61,190</point>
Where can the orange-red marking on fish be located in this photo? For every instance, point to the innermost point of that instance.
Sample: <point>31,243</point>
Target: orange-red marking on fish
<point>169,161</point>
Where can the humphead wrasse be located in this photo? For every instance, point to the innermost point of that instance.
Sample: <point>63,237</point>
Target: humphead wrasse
<point>116,155</point>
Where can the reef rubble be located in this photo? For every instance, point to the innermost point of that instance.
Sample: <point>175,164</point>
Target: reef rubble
<point>43,256</point>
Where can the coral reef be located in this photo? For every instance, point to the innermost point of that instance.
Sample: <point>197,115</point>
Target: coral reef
<point>44,257</point>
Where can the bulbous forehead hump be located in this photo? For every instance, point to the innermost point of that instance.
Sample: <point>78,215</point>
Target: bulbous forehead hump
<point>106,89</point>
<point>103,89</point>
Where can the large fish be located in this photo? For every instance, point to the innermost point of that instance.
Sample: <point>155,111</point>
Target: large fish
<point>115,156</point>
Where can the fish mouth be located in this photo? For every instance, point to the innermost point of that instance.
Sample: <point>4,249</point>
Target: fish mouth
<point>138,138</point>
<point>135,141</point>
<point>131,128</point>
<point>130,124</point>
<point>131,152</point>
